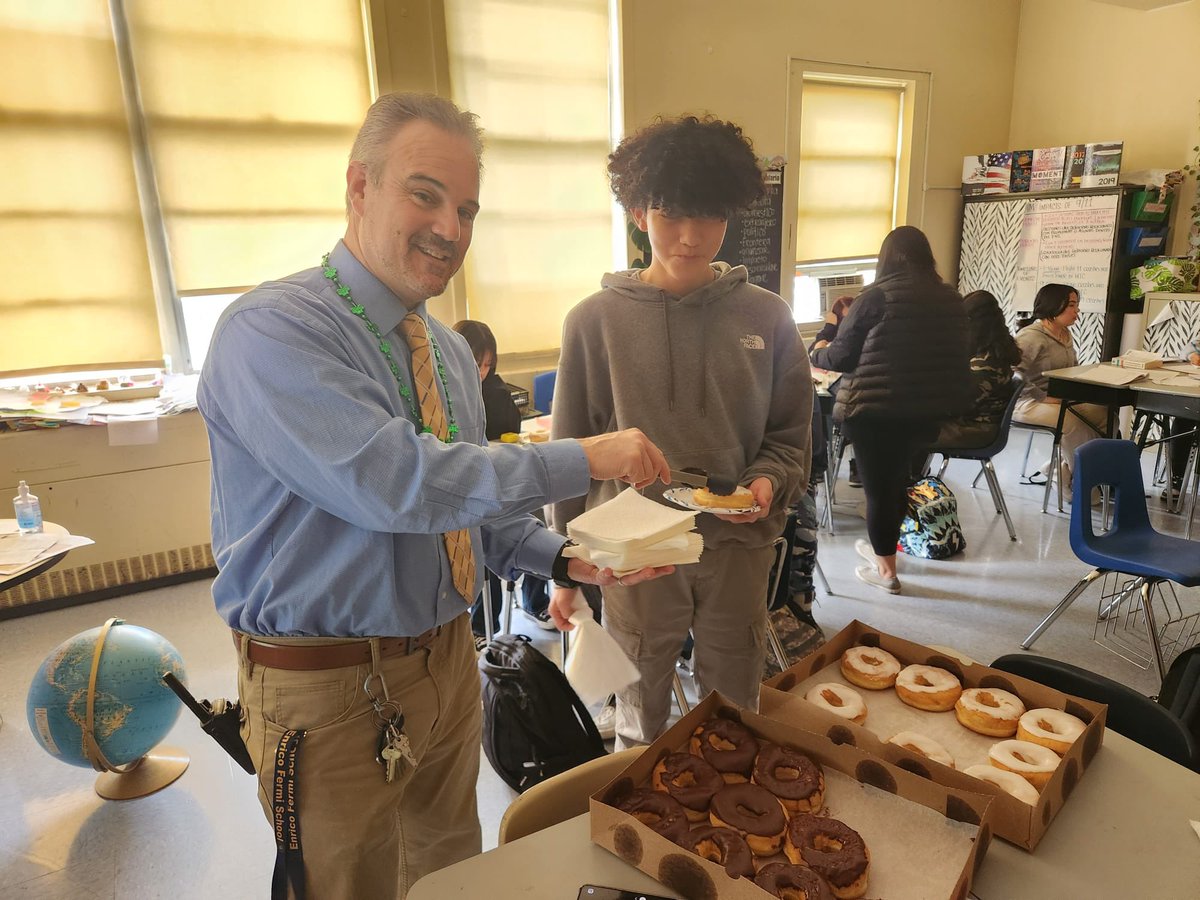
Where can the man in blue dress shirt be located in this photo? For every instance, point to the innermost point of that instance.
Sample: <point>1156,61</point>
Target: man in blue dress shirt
<point>337,510</point>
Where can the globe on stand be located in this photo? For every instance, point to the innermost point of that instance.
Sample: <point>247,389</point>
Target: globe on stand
<point>98,700</point>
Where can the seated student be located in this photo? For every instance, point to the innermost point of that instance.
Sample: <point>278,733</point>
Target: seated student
<point>1183,442</point>
<point>833,320</point>
<point>994,355</point>
<point>691,353</point>
<point>1045,343</point>
<point>500,417</point>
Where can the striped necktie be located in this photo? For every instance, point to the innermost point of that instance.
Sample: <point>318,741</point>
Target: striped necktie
<point>458,543</point>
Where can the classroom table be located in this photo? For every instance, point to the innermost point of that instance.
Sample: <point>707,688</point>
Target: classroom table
<point>36,569</point>
<point>1124,833</point>
<point>1071,386</point>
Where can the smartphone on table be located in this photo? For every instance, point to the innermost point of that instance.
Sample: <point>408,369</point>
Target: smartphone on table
<point>595,892</point>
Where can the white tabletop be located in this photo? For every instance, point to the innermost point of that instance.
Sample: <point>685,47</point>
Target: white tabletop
<point>1123,834</point>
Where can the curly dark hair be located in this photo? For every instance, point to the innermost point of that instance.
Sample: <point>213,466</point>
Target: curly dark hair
<point>687,166</point>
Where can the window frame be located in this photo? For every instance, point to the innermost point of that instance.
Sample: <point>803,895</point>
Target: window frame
<point>911,163</point>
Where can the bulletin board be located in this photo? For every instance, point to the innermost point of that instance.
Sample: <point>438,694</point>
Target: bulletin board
<point>1012,245</point>
<point>754,237</point>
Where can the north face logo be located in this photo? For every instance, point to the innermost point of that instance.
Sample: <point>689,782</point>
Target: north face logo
<point>753,342</point>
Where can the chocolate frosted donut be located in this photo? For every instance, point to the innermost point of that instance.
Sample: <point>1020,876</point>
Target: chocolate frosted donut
<point>724,846</point>
<point>690,780</point>
<point>833,849</point>
<point>727,746</point>
<point>791,776</point>
<point>658,812</point>
<point>775,878</point>
<point>753,812</point>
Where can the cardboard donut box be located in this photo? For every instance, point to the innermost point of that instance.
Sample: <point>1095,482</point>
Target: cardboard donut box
<point>1013,820</point>
<point>964,816</point>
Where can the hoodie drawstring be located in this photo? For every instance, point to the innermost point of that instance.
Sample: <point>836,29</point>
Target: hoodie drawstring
<point>670,361</point>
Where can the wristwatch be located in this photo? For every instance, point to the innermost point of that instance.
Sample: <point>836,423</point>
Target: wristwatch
<point>558,570</point>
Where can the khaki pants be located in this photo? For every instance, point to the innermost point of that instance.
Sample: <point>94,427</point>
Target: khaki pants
<point>723,600</point>
<point>1075,432</point>
<point>361,837</point>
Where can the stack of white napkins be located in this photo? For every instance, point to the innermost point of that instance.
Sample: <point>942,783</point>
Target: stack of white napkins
<point>630,532</point>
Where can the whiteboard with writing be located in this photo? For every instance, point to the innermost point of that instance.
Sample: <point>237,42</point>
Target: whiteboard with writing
<point>1067,240</point>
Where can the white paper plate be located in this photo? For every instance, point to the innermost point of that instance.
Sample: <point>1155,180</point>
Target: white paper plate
<point>682,496</point>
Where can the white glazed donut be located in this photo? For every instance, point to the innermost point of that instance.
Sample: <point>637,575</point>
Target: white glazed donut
<point>1033,762</point>
<point>1006,781</point>
<point>989,711</point>
<point>928,688</point>
<point>1051,728</point>
<point>839,700</point>
<point>870,668</point>
<point>927,747</point>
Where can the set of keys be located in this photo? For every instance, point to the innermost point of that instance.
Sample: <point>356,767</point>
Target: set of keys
<point>394,745</point>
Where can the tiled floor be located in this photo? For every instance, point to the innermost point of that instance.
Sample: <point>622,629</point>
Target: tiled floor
<point>205,836</point>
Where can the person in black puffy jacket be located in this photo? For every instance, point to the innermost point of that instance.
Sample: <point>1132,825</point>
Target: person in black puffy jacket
<point>903,347</point>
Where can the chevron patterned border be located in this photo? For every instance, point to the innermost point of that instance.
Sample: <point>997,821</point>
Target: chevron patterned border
<point>988,256</point>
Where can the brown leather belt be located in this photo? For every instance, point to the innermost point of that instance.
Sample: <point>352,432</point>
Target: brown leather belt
<point>309,657</point>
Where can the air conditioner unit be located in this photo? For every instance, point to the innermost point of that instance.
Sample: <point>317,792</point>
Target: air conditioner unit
<point>834,286</point>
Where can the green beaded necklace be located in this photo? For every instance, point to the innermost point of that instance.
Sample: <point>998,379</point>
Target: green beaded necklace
<point>386,349</point>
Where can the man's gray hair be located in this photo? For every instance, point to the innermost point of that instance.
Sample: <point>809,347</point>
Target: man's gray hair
<point>391,112</point>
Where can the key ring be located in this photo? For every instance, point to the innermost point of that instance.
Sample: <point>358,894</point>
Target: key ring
<point>381,713</point>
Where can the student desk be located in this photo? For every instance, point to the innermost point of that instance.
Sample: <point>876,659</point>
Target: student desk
<point>1161,399</point>
<point>1124,833</point>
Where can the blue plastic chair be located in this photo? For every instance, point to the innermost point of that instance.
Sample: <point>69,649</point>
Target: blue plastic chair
<point>543,391</point>
<point>1132,546</point>
<point>1131,714</point>
<point>984,456</point>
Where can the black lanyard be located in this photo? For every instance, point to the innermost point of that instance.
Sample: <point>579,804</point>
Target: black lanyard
<point>289,857</point>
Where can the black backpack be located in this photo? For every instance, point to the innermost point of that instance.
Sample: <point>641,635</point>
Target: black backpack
<point>534,724</point>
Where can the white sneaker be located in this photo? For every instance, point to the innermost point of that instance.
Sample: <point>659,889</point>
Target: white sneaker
<point>866,551</point>
<point>868,575</point>
<point>606,721</point>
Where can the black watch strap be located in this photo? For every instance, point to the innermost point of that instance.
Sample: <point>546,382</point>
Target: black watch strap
<point>558,571</point>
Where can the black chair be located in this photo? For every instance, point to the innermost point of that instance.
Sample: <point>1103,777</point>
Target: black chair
<point>985,454</point>
<point>1131,714</point>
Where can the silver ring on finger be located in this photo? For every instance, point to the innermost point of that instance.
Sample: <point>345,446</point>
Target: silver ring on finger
<point>620,582</point>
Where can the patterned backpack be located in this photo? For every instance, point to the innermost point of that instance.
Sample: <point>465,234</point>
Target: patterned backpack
<point>931,529</point>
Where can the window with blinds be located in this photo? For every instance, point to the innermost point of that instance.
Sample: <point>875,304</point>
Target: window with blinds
<point>76,289</point>
<point>850,147</point>
<point>536,73</point>
<point>243,115</point>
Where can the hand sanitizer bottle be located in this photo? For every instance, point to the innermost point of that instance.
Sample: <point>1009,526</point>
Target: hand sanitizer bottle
<point>29,510</point>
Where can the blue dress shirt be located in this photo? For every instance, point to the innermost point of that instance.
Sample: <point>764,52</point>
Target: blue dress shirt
<point>328,506</point>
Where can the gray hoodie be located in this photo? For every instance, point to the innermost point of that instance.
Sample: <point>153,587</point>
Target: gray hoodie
<point>718,380</point>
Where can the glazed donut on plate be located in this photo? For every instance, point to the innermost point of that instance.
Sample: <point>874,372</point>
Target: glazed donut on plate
<point>832,849</point>
<point>782,880</point>
<point>690,780</point>
<point>870,668</point>
<point>1033,762</point>
<point>741,498</point>
<point>927,747</point>
<point>928,688</point>
<point>839,700</point>
<point>1051,728</point>
<point>989,711</point>
<point>724,846</point>
<point>1010,782</point>
<point>727,746</point>
<point>658,812</point>
<point>754,813</point>
<point>796,780</point>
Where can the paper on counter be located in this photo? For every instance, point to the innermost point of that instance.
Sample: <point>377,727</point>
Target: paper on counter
<point>22,549</point>
<point>1114,375</point>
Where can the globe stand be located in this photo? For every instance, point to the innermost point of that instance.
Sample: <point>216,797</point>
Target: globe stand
<point>153,772</point>
<point>144,776</point>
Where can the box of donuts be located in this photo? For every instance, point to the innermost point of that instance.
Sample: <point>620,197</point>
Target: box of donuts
<point>733,805</point>
<point>961,725</point>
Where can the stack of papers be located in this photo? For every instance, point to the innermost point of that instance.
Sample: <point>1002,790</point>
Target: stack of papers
<point>630,532</point>
<point>21,552</point>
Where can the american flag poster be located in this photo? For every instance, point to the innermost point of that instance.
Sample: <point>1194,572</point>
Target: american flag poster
<point>999,171</point>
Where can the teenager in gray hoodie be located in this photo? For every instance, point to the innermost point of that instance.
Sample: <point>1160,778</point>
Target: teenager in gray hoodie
<point>712,369</point>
